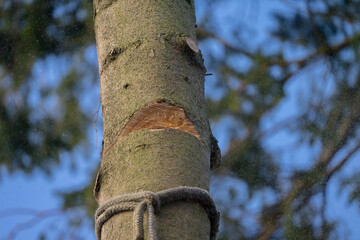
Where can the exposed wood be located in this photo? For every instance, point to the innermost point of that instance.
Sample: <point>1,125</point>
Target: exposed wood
<point>156,116</point>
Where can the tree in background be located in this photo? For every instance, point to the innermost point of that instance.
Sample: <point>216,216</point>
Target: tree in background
<point>315,49</point>
<point>296,91</point>
<point>40,113</point>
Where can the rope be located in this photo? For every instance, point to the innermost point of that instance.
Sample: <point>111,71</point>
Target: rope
<point>150,203</point>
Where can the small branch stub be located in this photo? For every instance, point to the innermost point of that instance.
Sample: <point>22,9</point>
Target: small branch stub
<point>192,44</point>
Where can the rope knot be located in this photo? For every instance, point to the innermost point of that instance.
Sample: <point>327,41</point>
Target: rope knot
<point>153,199</point>
<point>151,203</point>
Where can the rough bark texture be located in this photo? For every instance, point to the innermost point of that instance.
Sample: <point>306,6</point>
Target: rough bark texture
<point>156,132</point>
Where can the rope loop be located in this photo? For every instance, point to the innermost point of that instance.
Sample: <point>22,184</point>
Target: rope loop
<point>151,203</point>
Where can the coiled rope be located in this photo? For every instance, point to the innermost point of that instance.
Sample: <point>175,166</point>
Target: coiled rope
<point>151,203</point>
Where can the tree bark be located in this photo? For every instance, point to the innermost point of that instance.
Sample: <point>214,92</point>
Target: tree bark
<point>156,132</point>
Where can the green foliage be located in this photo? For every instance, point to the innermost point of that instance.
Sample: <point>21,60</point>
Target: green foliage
<point>315,36</point>
<point>32,30</point>
<point>353,183</point>
<point>248,161</point>
<point>28,143</point>
<point>32,137</point>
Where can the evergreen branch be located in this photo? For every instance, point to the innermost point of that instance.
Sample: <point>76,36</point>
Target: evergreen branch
<point>343,161</point>
<point>269,231</point>
<point>343,133</point>
<point>324,232</point>
<point>318,173</point>
<point>326,50</point>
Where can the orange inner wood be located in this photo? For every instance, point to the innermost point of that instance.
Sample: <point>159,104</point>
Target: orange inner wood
<point>159,115</point>
<point>156,116</point>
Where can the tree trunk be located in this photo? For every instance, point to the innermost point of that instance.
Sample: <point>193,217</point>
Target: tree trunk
<point>156,132</point>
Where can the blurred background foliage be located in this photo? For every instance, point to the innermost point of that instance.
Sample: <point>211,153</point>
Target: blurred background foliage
<point>284,103</point>
<point>33,133</point>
